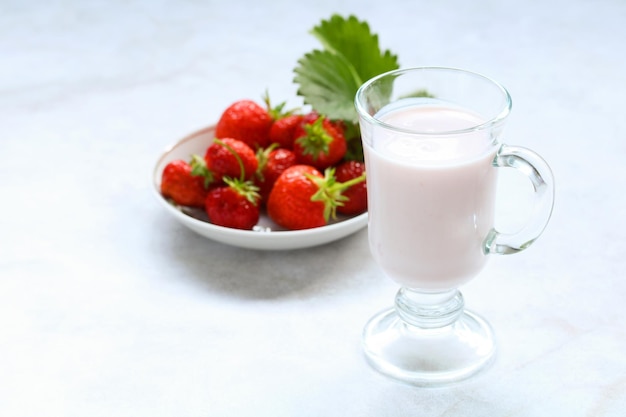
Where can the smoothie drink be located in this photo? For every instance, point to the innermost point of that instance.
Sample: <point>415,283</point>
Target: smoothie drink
<point>432,138</point>
<point>431,199</point>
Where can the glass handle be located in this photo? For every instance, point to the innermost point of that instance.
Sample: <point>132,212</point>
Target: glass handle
<point>538,172</point>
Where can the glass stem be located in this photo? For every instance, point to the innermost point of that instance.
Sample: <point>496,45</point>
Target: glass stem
<point>429,310</point>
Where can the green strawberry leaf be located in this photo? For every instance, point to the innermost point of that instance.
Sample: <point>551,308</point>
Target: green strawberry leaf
<point>328,83</point>
<point>328,80</point>
<point>353,40</point>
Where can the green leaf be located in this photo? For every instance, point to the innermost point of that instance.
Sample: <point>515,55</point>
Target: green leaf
<point>328,84</point>
<point>328,80</point>
<point>353,40</point>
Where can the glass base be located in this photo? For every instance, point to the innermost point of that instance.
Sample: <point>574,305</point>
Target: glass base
<point>428,355</point>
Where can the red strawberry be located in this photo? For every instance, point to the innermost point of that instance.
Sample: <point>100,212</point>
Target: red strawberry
<point>234,205</point>
<point>319,143</point>
<point>226,157</point>
<point>303,198</point>
<point>247,121</point>
<point>283,130</point>
<point>310,117</point>
<point>178,183</point>
<point>290,204</point>
<point>356,194</point>
<point>272,163</point>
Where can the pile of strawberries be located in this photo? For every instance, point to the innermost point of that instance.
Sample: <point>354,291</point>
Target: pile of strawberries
<point>292,165</point>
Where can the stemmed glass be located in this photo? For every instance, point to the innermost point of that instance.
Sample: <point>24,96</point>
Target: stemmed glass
<point>432,143</point>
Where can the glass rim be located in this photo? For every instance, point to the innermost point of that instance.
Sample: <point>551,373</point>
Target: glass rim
<point>500,116</point>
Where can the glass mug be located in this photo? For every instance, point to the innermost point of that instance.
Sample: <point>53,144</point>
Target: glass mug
<point>432,144</point>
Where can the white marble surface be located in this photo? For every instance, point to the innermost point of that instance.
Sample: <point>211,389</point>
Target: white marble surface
<point>108,307</point>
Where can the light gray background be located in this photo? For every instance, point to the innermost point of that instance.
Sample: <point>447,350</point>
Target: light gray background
<point>109,307</point>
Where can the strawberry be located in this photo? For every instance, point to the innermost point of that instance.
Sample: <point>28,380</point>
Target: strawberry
<point>319,143</point>
<point>230,157</point>
<point>290,204</point>
<point>356,194</point>
<point>283,130</point>
<point>310,117</point>
<point>272,163</point>
<point>234,205</point>
<point>247,121</point>
<point>179,184</point>
<point>303,198</point>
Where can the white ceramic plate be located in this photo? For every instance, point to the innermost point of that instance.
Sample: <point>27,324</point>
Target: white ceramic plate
<point>267,235</point>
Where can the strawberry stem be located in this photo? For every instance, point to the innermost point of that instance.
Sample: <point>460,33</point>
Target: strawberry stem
<point>317,140</point>
<point>263,155</point>
<point>242,169</point>
<point>200,169</point>
<point>352,181</point>
<point>278,111</point>
<point>330,192</point>
<point>245,188</point>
